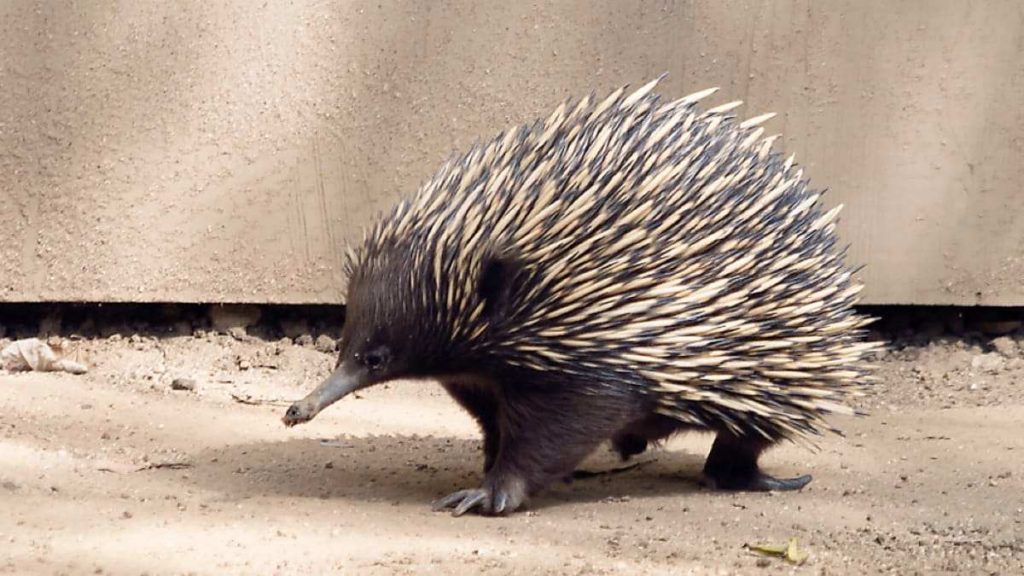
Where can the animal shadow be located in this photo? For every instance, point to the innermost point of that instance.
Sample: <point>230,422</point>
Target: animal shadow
<point>416,470</point>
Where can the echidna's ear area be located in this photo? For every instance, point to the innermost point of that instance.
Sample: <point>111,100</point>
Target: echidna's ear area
<point>500,280</point>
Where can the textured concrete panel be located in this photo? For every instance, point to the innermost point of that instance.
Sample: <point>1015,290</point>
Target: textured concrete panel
<point>227,151</point>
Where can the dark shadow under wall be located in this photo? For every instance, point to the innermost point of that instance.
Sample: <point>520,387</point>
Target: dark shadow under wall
<point>897,325</point>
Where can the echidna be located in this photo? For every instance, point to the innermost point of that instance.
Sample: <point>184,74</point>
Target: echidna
<point>622,270</point>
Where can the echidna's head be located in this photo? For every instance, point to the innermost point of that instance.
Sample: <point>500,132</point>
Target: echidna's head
<point>393,330</point>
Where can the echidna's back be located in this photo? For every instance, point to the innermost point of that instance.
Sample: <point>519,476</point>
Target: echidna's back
<point>671,249</point>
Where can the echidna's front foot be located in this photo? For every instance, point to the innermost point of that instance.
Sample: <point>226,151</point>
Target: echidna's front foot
<point>493,498</point>
<point>755,482</point>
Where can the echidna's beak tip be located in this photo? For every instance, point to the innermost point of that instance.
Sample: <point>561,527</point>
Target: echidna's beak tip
<point>342,382</point>
<point>298,413</point>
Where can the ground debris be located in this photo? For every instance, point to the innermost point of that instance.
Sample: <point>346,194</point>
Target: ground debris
<point>32,354</point>
<point>165,466</point>
<point>585,474</point>
<point>249,400</point>
<point>789,551</point>
<point>185,384</point>
<point>121,468</point>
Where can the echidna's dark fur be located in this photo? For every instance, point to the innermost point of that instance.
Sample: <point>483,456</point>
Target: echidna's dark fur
<point>623,270</point>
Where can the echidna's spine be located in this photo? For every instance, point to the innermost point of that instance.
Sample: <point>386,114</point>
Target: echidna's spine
<point>670,250</point>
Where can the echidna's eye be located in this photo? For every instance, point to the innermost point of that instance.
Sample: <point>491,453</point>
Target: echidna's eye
<point>375,359</point>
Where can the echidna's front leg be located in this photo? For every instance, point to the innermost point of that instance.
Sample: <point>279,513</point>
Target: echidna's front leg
<point>482,405</point>
<point>732,465</point>
<point>505,487</point>
<point>543,437</point>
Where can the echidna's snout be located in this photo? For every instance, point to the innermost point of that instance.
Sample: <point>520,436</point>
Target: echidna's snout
<point>342,382</point>
<point>298,413</point>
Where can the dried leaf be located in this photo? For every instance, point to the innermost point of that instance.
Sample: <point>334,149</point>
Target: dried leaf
<point>789,551</point>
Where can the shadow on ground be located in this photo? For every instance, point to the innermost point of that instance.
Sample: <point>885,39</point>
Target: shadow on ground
<point>416,470</point>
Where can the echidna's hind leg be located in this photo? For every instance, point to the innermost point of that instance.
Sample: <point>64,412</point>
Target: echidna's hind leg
<point>636,436</point>
<point>629,444</point>
<point>732,465</point>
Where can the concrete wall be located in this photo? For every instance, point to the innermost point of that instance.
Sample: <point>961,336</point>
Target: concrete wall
<point>225,151</point>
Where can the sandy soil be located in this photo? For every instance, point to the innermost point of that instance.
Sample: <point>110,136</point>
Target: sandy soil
<point>115,473</point>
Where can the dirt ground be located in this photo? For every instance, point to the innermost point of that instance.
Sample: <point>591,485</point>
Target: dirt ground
<point>114,472</point>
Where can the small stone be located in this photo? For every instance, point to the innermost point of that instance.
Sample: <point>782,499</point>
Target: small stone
<point>329,465</point>
<point>225,317</point>
<point>305,340</point>
<point>126,515</point>
<point>990,362</point>
<point>238,333</point>
<point>115,338</point>
<point>1005,346</point>
<point>186,384</point>
<point>244,365</point>
<point>325,344</point>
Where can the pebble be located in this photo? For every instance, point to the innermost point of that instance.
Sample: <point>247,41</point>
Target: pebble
<point>186,384</point>
<point>304,340</point>
<point>325,344</point>
<point>223,318</point>
<point>1005,346</point>
<point>990,362</point>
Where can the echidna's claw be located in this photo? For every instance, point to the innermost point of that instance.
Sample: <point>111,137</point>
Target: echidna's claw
<point>756,482</point>
<point>464,500</point>
<point>732,465</point>
<point>498,496</point>
<point>764,483</point>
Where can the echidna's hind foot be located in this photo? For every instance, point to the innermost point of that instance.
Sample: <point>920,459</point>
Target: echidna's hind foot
<point>756,482</point>
<point>637,436</point>
<point>732,465</point>
<point>629,445</point>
